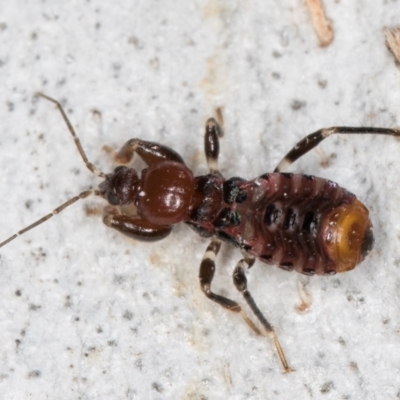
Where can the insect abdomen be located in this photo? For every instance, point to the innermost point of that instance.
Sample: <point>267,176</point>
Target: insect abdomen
<point>301,223</point>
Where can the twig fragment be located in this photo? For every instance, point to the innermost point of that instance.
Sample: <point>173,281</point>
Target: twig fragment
<point>393,42</point>
<point>321,23</point>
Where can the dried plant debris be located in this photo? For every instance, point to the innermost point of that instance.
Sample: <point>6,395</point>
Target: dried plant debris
<point>321,23</point>
<point>393,42</point>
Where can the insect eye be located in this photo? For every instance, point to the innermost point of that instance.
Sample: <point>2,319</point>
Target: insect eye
<point>120,168</point>
<point>113,199</point>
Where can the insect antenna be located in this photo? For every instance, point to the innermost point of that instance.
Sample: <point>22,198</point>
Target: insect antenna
<point>56,211</point>
<point>74,199</point>
<point>78,144</point>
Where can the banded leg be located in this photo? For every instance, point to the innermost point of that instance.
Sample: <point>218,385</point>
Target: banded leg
<point>150,152</point>
<point>134,227</point>
<point>312,140</point>
<point>211,144</point>
<point>78,144</point>
<point>240,281</point>
<point>206,275</point>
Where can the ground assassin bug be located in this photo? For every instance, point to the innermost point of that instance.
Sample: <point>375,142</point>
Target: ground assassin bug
<point>298,222</point>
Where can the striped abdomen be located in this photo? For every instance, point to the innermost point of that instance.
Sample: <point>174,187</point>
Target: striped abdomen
<point>298,222</point>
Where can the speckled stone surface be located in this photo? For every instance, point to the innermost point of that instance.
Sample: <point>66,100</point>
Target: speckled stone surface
<point>88,314</point>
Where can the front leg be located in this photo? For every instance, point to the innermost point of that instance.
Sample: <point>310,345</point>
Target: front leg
<point>150,152</point>
<point>133,226</point>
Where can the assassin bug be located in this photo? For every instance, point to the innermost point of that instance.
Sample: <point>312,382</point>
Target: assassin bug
<point>298,222</point>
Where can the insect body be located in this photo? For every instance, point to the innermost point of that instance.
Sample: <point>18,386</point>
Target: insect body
<point>298,222</point>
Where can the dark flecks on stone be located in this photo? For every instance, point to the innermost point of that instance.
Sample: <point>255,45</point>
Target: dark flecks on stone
<point>297,104</point>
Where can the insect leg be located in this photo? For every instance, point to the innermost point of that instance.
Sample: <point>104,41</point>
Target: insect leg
<point>78,144</point>
<point>240,281</point>
<point>150,152</point>
<point>134,227</point>
<point>312,140</point>
<point>206,275</point>
<point>211,144</point>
